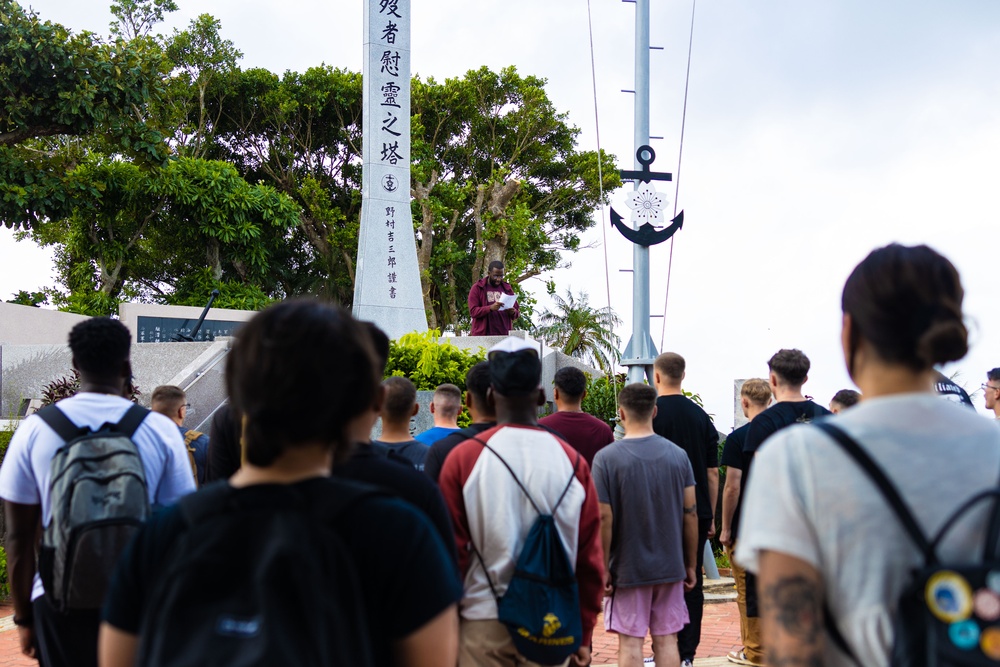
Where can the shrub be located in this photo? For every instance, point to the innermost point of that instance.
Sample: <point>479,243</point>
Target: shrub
<point>4,582</point>
<point>601,400</point>
<point>69,385</point>
<point>429,363</point>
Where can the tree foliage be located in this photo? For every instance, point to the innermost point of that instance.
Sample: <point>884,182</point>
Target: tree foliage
<point>495,176</point>
<point>126,228</point>
<point>581,331</point>
<point>56,87</point>
<point>159,169</point>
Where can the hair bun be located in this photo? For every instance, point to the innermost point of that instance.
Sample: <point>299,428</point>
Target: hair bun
<point>943,341</point>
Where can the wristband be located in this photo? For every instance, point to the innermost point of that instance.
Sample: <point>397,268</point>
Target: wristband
<point>24,622</point>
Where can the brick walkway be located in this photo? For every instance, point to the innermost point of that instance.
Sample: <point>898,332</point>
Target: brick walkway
<point>10,647</point>
<point>720,633</point>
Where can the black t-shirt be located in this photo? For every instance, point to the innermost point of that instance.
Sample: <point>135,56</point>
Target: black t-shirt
<point>439,451</point>
<point>413,451</point>
<point>405,575</point>
<point>732,458</point>
<point>772,420</point>
<point>224,453</point>
<point>377,465</point>
<point>680,420</point>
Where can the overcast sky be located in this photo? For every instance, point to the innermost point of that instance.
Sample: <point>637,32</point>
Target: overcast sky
<point>816,131</point>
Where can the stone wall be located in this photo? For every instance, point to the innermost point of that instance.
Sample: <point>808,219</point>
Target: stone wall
<point>27,325</point>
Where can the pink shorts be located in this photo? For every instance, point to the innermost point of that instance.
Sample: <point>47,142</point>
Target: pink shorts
<point>659,610</point>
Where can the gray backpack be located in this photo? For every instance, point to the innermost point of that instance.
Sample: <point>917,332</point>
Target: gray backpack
<point>98,498</point>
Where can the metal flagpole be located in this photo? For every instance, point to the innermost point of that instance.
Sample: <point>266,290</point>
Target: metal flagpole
<point>641,351</point>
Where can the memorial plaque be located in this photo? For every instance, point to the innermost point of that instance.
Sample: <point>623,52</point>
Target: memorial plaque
<point>166,329</point>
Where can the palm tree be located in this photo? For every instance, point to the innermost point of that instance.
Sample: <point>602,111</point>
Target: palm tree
<point>581,331</point>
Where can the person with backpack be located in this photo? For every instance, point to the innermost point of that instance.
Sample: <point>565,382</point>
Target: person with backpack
<point>133,460</point>
<point>171,400</point>
<point>527,527</point>
<point>283,564</point>
<point>839,517</point>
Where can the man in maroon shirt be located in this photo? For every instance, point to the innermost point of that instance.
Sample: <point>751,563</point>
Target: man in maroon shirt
<point>585,433</point>
<point>489,317</point>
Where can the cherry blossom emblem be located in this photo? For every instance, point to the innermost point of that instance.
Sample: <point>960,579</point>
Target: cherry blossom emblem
<point>646,204</point>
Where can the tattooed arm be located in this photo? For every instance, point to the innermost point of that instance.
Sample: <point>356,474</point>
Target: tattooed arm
<point>791,606</point>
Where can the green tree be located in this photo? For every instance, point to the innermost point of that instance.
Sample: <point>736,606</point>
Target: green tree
<point>496,176</point>
<point>126,225</point>
<point>581,331</point>
<point>56,87</point>
<point>171,234</point>
<point>301,134</point>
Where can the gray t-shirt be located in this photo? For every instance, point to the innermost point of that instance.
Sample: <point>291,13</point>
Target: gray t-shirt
<point>643,479</point>
<point>809,500</point>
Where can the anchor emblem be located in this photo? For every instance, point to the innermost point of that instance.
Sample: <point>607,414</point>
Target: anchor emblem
<point>646,204</point>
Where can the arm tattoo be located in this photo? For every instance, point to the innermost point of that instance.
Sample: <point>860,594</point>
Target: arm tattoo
<point>794,603</point>
<point>691,510</point>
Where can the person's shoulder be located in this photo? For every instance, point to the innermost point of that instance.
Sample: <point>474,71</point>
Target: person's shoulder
<point>160,429</point>
<point>594,422</point>
<point>740,432</point>
<point>393,474</point>
<point>603,456</point>
<point>771,416</point>
<point>816,409</point>
<point>554,418</point>
<point>671,449</point>
<point>469,448</point>
<point>384,514</point>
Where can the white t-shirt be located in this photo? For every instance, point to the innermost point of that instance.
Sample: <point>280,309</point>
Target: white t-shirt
<point>809,500</point>
<point>25,474</point>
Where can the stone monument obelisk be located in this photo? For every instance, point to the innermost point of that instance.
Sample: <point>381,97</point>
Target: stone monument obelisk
<point>387,282</point>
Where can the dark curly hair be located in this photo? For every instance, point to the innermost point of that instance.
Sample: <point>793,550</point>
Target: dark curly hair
<point>298,373</point>
<point>100,346</point>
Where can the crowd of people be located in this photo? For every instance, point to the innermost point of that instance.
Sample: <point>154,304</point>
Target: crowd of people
<point>289,536</point>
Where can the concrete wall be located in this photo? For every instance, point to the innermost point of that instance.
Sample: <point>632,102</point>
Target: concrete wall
<point>27,325</point>
<point>26,369</point>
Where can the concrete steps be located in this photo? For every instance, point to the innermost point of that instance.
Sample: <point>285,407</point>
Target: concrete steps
<point>720,590</point>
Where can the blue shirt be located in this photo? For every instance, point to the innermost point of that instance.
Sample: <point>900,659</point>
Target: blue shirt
<point>432,435</point>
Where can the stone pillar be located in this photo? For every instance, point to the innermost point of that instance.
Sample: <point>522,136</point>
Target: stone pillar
<point>387,282</point>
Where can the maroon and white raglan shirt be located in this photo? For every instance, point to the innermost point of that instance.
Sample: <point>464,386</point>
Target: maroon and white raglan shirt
<point>489,508</point>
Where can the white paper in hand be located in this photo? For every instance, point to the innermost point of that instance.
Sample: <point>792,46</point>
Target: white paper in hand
<point>507,301</point>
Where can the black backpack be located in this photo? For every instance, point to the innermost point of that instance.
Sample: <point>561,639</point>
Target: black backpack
<point>949,614</point>
<point>259,577</point>
<point>98,499</point>
<point>541,606</point>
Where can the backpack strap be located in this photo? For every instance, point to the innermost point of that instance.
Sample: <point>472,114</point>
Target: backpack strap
<point>130,422</point>
<point>888,490</point>
<point>512,474</point>
<point>834,633</point>
<point>576,464</point>
<point>60,423</point>
<point>191,436</point>
<point>479,556</point>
